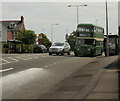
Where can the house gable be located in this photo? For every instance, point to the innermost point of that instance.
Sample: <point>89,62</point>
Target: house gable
<point>12,27</point>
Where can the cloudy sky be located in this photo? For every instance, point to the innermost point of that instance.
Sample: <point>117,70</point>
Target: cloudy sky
<point>39,16</point>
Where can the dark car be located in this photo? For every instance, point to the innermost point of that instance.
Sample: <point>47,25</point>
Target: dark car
<point>40,49</point>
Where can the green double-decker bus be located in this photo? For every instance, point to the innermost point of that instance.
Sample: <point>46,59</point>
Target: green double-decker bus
<point>89,40</point>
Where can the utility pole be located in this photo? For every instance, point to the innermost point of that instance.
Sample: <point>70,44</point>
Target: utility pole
<point>107,37</point>
<point>77,6</point>
<point>52,31</point>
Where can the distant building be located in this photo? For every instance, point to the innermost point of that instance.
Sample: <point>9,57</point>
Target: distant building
<point>40,39</point>
<point>9,32</point>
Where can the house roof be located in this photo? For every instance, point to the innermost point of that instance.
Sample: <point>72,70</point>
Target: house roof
<point>17,24</point>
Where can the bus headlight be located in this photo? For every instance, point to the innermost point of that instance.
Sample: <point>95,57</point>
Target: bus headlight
<point>89,49</point>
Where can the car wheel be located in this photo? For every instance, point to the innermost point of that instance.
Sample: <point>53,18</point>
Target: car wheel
<point>57,53</point>
<point>62,52</point>
<point>41,51</point>
<point>50,53</point>
<point>68,53</point>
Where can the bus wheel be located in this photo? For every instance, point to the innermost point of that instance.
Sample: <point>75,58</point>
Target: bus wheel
<point>93,54</point>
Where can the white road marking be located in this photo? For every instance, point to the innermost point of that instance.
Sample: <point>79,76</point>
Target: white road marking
<point>55,63</point>
<point>43,56</point>
<point>22,58</point>
<point>12,59</point>
<point>50,65</point>
<point>28,57</point>
<point>5,60</point>
<point>4,70</point>
<point>45,66</point>
<point>35,57</point>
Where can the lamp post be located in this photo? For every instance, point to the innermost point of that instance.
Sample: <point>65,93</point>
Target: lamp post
<point>52,31</point>
<point>96,22</point>
<point>77,6</point>
<point>107,37</point>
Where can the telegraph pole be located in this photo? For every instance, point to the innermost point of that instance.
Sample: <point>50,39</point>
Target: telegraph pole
<point>107,37</point>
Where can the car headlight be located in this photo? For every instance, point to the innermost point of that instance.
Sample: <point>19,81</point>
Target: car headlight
<point>60,49</point>
<point>49,49</point>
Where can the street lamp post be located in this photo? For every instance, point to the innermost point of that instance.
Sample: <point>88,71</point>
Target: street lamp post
<point>107,38</point>
<point>96,22</point>
<point>52,31</point>
<point>77,6</point>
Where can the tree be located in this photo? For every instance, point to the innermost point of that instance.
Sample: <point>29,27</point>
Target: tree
<point>28,38</point>
<point>71,39</point>
<point>46,41</point>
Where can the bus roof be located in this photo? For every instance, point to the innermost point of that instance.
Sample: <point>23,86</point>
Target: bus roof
<point>87,24</point>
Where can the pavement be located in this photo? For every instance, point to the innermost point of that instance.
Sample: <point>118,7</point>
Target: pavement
<point>96,80</point>
<point>108,84</point>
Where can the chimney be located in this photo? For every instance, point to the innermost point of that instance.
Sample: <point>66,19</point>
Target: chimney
<point>22,19</point>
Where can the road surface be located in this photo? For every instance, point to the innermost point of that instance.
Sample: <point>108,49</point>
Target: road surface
<point>28,76</point>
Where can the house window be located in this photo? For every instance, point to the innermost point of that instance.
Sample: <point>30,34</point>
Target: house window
<point>12,25</point>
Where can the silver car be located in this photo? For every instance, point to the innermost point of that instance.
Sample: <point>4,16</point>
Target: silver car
<point>59,48</point>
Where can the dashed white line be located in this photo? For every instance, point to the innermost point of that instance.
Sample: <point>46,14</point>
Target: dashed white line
<point>54,63</point>
<point>45,66</point>
<point>35,57</point>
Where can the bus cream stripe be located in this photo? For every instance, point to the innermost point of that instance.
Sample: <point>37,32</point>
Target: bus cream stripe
<point>100,39</point>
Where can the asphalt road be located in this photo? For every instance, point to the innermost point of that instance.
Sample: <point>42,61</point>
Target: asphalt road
<point>31,75</point>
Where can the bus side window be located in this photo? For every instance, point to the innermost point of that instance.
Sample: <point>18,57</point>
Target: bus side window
<point>101,43</point>
<point>94,42</point>
<point>97,43</point>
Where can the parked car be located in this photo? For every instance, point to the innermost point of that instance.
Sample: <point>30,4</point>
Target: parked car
<point>40,49</point>
<point>59,48</point>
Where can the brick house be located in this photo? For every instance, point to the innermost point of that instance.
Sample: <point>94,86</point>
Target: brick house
<point>9,33</point>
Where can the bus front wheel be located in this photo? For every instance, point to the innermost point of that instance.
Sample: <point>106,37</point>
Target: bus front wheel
<point>93,53</point>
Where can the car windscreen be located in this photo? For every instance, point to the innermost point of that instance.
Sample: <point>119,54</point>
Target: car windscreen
<point>58,44</point>
<point>42,46</point>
